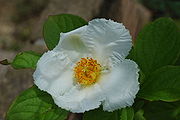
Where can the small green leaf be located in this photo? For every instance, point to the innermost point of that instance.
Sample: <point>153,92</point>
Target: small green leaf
<point>157,45</point>
<point>163,84</point>
<point>127,113</point>
<point>34,104</point>
<point>60,23</point>
<point>162,111</point>
<point>99,114</point>
<point>26,59</point>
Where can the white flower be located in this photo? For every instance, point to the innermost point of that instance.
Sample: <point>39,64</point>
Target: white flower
<point>88,68</point>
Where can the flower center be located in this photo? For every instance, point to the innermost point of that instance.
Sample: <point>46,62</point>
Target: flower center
<point>87,71</point>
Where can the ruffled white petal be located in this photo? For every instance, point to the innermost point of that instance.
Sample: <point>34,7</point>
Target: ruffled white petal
<point>72,45</point>
<point>120,86</point>
<point>79,100</point>
<point>105,36</point>
<point>53,73</point>
<point>100,38</point>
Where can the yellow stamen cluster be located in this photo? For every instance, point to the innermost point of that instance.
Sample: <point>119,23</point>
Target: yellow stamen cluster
<point>87,71</point>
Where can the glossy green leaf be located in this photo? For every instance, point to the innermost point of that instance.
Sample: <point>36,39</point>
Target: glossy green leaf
<point>34,104</point>
<point>157,45</point>
<point>127,113</point>
<point>60,23</point>
<point>26,59</point>
<point>163,84</point>
<point>99,114</point>
<point>162,111</point>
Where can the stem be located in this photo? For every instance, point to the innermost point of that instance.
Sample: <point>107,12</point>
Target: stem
<point>75,116</point>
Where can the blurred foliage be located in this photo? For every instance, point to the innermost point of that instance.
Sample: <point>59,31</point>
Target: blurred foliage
<point>177,23</point>
<point>162,110</point>
<point>26,9</point>
<point>161,8</point>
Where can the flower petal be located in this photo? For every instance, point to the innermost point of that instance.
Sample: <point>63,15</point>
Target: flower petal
<point>53,73</point>
<point>72,45</point>
<point>120,86</point>
<point>105,36</point>
<point>79,100</point>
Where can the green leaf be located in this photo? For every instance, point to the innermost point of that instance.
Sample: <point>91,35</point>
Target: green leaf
<point>127,113</point>
<point>26,59</point>
<point>60,23</point>
<point>162,111</point>
<point>99,114</point>
<point>177,23</point>
<point>34,104</point>
<point>163,84</point>
<point>139,115</point>
<point>138,104</point>
<point>157,45</point>
<point>178,61</point>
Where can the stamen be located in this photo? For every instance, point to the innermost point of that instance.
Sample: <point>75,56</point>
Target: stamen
<point>87,71</point>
